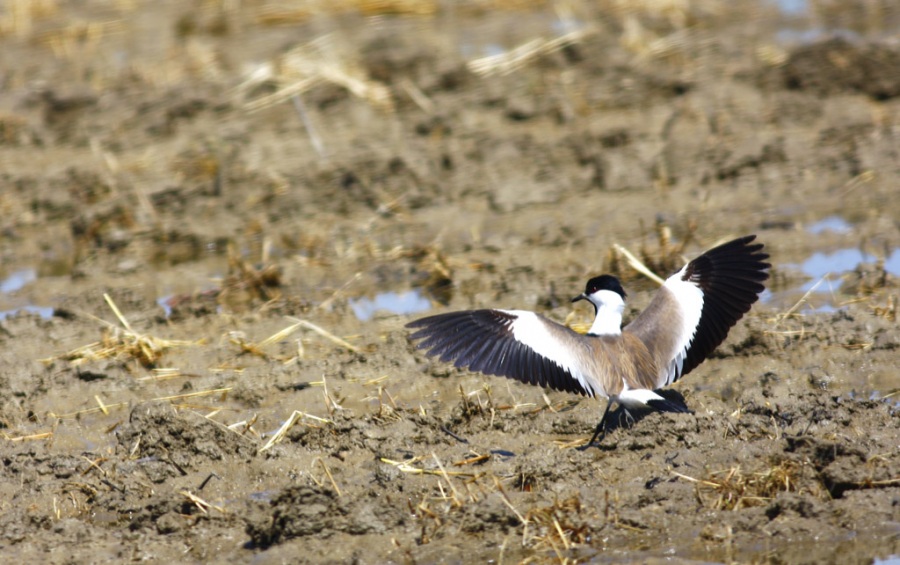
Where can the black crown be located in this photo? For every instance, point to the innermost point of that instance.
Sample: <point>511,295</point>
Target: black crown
<point>604,282</point>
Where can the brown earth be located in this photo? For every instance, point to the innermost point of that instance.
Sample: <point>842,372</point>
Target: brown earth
<point>149,153</point>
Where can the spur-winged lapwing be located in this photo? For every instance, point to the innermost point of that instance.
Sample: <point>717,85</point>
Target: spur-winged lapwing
<point>689,316</point>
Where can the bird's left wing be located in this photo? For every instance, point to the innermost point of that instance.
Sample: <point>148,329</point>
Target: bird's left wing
<point>691,314</point>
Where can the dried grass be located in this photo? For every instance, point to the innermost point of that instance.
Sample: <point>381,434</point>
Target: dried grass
<point>259,349</point>
<point>637,265</point>
<point>246,282</point>
<point>325,468</point>
<point>123,343</point>
<point>666,257</point>
<point>792,311</point>
<point>280,14</point>
<point>106,408</point>
<point>324,60</point>
<point>387,411</point>
<point>521,56</point>
<point>733,489</point>
<point>19,17</point>
<point>30,437</point>
<point>78,39</point>
<point>201,504</point>
<point>411,466</point>
<point>791,324</point>
<point>557,527</point>
<point>295,417</point>
<point>888,311</point>
<point>275,13</point>
<point>430,260</point>
<point>674,12</point>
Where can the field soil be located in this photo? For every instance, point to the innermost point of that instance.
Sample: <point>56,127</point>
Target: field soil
<point>217,218</point>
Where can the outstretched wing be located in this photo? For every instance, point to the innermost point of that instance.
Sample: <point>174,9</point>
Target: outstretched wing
<point>516,344</point>
<point>696,307</point>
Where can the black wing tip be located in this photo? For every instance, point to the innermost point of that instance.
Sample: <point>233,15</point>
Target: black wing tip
<point>745,243</point>
<point>432,323</point>
<point>430,320</point>
<point>458,314</point>
<point>738,259</point>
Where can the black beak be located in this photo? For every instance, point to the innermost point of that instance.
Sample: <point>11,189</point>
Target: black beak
<point>581,296</point>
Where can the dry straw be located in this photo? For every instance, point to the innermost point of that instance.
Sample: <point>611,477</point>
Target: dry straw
<point>518,57</point>
<point>201,504</point>
<point>321,61</point>
<point>124,343</point>
<point>733,489</point>
<point>288,424</point>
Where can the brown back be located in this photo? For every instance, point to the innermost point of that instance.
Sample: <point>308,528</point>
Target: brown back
<point>617,360</point>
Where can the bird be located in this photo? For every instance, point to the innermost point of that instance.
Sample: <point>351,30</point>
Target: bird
<point>687,318</point>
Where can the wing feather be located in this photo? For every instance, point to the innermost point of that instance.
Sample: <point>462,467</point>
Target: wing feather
<point>516,344</point>
<point>696,307</point>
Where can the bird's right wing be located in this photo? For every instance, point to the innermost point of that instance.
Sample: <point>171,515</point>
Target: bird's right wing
<point>516,344</point>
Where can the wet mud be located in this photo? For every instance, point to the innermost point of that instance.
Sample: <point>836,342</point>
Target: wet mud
<point>217,221</point>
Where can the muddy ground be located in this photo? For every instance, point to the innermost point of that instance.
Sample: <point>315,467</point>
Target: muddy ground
<point>222,171</point>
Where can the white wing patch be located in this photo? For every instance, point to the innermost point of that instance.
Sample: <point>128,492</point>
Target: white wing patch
<point>689,298</point>
<point>533,331</point>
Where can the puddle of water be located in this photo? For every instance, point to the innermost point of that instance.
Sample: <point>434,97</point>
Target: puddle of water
<point>892,263</point>
<point>263,496</point>
<point>788,36</point>
<point>800,25</point>
<point>834,224</point>
<point>17,280</point>
<point>409,302</point>
<point>163,302</point>
<point>824,269</point>
<point>505,39</point>
<point>820,264</point>
<point>787,298</point>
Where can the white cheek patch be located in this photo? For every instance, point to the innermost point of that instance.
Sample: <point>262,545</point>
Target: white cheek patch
<point>609,313</point>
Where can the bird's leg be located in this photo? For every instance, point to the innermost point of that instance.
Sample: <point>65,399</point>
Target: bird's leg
<point>600,432</point>
<point>629,419</point>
